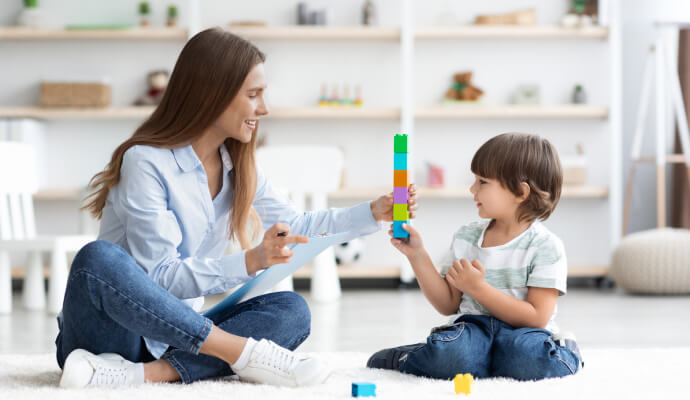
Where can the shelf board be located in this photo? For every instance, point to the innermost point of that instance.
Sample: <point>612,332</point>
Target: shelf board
<point>140,112</point>
<point>462,111</point>
<point>127,112</point>
<point>484,111</point>
<point>316,32</point>
<point>71,194</point>
<point>571,191</point>
<point>119,34</point>
<point>511,32</point>
<point>21,33</point>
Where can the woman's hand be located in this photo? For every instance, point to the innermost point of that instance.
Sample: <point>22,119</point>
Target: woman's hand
<point>272,249</point>
<point>466,276</point>
<point>382,208</point>
<point>411,247</point>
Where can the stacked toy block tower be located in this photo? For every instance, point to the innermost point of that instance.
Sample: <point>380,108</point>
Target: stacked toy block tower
<point>400,183</point>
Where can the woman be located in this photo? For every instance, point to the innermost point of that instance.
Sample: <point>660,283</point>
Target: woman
<point>169,200</point>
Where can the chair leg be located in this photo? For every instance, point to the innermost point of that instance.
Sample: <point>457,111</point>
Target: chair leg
<point>325,283</point>
<point>34,289</point>
<point>5,284</point>
<point>58,279</point>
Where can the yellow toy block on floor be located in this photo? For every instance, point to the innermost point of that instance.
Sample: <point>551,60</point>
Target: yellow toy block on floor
<point>463,383</point>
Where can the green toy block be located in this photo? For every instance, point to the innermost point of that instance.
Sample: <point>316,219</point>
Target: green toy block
<point>400,212</point>
<point>400,143</point>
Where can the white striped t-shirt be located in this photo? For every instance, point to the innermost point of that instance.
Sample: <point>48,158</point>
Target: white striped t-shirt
<point>535,258</point>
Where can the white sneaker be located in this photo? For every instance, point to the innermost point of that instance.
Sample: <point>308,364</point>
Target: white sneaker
<point>275,365</point>
<point>83,368</point>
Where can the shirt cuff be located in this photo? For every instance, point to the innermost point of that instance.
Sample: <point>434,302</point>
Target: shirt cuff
<point>235,266</point>
<point>363,221</point>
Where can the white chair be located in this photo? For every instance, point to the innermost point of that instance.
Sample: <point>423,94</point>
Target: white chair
<point>313,171</point>
<point>18,182</point>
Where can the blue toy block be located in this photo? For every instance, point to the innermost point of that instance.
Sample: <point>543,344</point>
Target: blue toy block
<point>400,161</point>
<point>363,389</point>
<point>398,231</point>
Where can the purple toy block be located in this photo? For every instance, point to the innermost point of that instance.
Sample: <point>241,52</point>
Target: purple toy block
<point>400,195</point>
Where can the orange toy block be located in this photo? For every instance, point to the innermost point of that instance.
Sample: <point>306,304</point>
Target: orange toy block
<point>463,383</point>
<point>400,178</point>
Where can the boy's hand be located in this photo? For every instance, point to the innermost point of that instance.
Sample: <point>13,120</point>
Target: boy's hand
<point>411,246</point>
<point>382,208</point>
<point>466,276</point>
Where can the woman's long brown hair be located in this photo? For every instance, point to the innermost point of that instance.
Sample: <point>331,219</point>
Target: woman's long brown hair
<point>208,74</point>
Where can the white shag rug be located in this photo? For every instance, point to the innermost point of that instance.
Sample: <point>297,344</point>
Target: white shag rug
<point>608,374</point>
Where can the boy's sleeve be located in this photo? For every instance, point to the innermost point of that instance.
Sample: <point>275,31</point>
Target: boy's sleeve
<point>549,267</point>
<point>446,260</point>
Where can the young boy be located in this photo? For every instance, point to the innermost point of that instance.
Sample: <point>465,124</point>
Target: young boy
<point>502,277</point>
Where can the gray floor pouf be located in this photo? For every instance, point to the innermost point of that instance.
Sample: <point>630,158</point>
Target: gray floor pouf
<point>653,262</point>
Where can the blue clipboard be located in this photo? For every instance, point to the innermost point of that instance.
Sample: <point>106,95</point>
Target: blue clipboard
<point>304,252</point>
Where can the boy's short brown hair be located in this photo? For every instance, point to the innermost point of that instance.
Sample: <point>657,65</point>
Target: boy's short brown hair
<point>512,158</point>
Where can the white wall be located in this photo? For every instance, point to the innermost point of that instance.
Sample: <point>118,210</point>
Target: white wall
<point>638,35</point>
<point>75,150</point>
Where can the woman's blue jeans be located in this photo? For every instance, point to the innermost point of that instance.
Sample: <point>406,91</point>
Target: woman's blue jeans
<point>111,304</point>
<point>487,347</point>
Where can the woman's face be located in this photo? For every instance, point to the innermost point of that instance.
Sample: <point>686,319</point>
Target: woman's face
<point>238,121</point>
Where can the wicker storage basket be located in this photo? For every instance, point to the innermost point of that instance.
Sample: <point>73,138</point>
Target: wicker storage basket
<point>75,94</point>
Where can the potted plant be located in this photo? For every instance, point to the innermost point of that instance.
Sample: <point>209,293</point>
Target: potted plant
<point>172,16</point>
<point>144,12</point>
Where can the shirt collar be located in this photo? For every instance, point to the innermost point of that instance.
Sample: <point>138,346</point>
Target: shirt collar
<point>225,157</point>
<point>187,159</point>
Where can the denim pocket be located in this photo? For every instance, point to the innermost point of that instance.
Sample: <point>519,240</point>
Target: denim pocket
<point>447,333</point>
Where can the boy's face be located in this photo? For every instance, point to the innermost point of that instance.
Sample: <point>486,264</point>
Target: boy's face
<point>493,200</point>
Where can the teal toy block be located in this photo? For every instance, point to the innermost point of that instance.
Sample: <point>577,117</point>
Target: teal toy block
<point>398,231</point>
<point>400,161</point>
<point>400,143</point>
<point>363,389</point>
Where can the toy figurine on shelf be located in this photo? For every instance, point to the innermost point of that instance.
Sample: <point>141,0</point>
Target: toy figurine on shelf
<point>368,13</point>
<point>336,101</point>
<point>335,97</point>
<point>171,21</point>
<point>347,100</point>
<point>323,99</point>
<point>358,96</point>
<point>157,83</point>
<point>462,88</point>
<point>144,12</point>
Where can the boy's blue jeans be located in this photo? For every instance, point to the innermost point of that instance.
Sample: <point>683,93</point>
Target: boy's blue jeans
<point>111,303</point>
<point>487,347</point>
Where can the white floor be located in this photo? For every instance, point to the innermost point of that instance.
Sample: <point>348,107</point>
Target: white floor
<point>368,320</point>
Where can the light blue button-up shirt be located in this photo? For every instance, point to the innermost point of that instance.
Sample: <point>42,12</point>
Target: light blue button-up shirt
<point>161,212</point>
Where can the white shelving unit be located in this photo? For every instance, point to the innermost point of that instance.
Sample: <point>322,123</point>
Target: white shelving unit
<point>407,36</point>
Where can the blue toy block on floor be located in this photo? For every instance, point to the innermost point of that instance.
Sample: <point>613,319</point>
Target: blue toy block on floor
<point>363,389</point>
<point>398,231</point>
